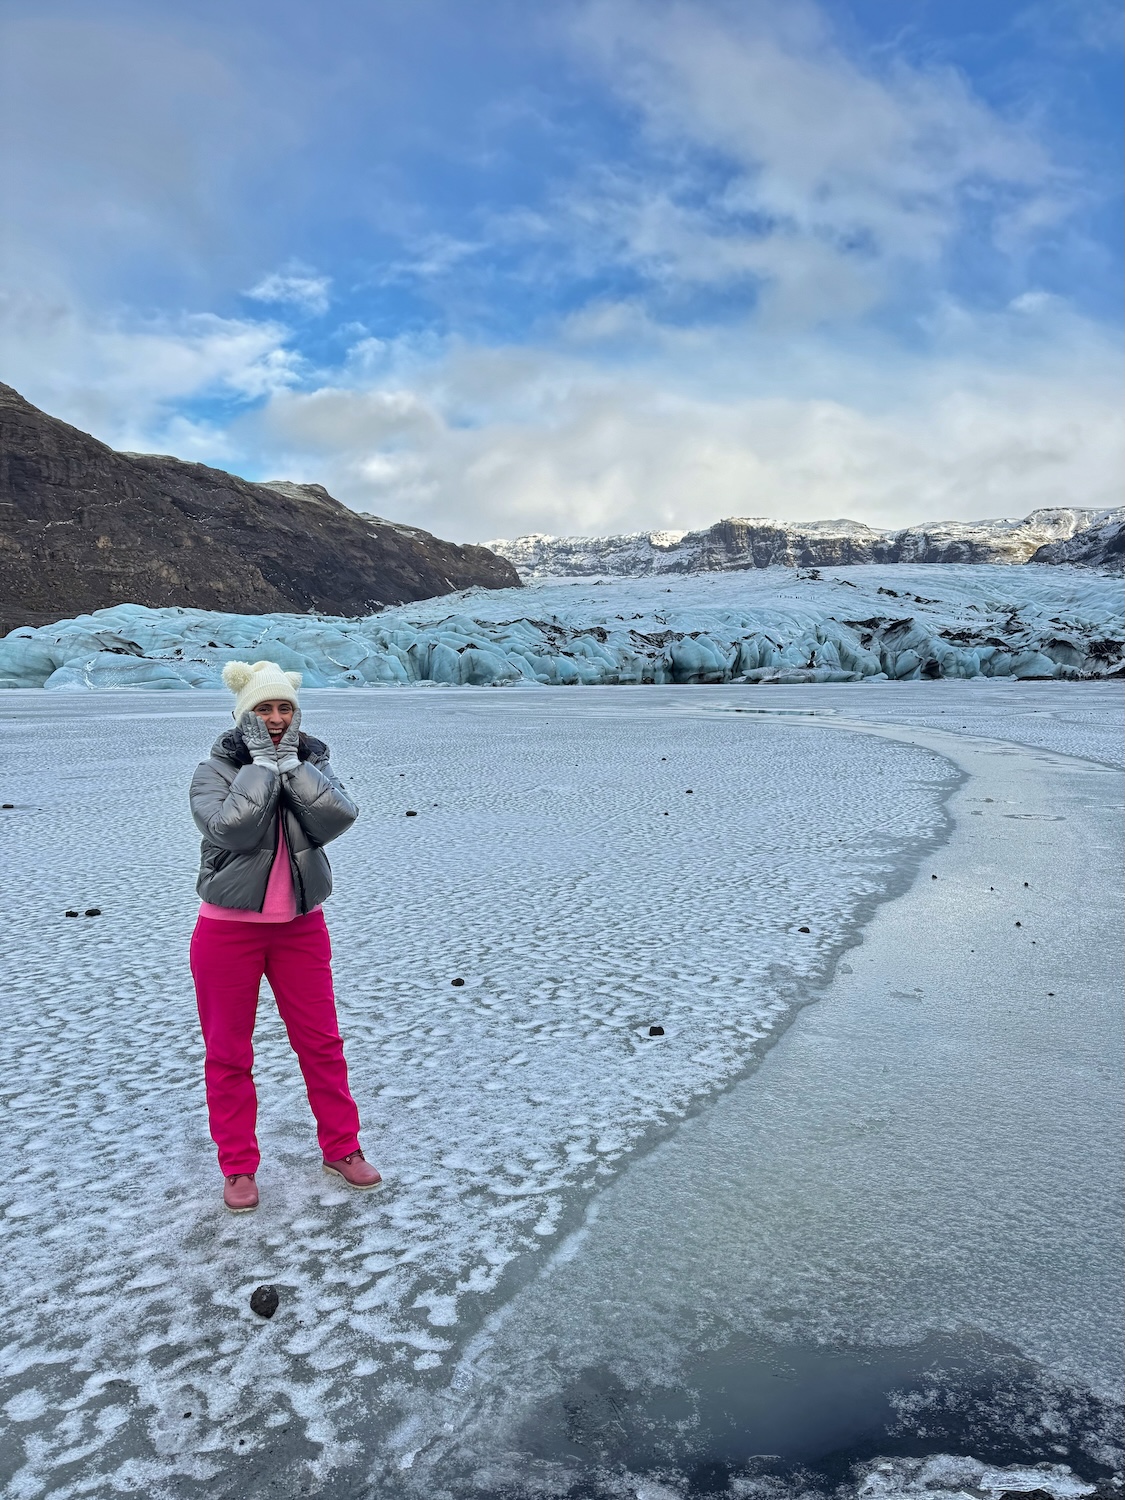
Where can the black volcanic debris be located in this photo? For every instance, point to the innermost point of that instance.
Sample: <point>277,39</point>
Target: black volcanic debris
<point>264,1301</point>
<point>83,527</point>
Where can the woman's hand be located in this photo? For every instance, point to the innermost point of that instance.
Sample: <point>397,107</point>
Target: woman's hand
<point>257,739</point>
<point>287,757</point>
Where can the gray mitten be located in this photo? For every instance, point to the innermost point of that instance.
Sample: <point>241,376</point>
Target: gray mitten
<point>257,740</point>
<point>287,757</point>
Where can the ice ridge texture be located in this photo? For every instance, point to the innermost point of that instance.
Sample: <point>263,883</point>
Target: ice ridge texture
<point>776,625</point>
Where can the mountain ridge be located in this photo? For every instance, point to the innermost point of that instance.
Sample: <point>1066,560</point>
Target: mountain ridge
<point>740,542</point>
<point>85,527</point>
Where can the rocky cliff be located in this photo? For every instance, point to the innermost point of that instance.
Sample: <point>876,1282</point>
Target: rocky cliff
<point>739,543</point>
<point>83,527</point>
<point>1099,546</point>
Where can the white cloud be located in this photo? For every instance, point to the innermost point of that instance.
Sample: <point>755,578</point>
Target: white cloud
<point>763,153</point>
<point>681,426</point>
<point>995,418</point>
<point>778,156</point>
<point>295,286</point>
<point>122,378</point>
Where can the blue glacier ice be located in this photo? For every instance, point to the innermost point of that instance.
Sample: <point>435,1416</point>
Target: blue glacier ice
<point>778,625</point>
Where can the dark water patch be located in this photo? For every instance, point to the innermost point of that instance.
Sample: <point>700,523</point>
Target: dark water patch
<point>787,1420</point>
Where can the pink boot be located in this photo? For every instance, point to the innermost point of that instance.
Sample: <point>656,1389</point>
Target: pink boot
<point>240,1193</point>
<point>355,1171</point>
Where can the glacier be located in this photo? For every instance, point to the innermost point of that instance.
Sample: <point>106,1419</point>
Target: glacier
<point>869,622</point>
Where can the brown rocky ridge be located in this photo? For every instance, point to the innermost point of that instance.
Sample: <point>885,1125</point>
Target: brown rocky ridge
<point>83,527</point>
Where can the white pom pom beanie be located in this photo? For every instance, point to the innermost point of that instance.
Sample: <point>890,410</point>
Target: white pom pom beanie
<point>253,684</point>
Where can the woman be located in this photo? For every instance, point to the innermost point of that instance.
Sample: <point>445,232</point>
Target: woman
<point>266,803</point>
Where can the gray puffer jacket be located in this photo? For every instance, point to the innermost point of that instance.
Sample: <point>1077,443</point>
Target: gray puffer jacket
<point>235,806</point>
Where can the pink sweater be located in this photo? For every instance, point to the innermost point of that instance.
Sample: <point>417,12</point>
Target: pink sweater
<point>280,904</point>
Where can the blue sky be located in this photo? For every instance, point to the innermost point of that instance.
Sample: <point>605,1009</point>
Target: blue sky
<point>579,266</point>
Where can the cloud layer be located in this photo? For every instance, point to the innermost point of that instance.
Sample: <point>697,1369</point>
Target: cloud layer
<point>679,260</point>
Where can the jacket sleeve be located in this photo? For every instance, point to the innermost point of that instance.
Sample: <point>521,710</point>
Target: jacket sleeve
<point>322,807</point>
<point>235,816</point>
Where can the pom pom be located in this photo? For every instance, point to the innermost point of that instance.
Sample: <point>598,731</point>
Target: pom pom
<point>295,679</point>
<point>236,674</point>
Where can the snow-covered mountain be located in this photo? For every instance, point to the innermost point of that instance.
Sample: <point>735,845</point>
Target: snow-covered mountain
<point>1100,545</point>
<point>756,542</point>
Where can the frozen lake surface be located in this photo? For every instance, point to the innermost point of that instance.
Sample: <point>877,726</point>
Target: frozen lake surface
<point>573,1206</point>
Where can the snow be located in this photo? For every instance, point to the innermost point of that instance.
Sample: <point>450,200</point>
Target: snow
<point>773,625</point>
<point>735,542</point>
<point>542,869</point>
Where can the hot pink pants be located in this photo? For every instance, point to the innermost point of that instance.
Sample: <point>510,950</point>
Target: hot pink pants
<point>228,960</point>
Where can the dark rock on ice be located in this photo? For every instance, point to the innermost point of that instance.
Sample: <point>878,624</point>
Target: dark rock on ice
<point>803,929</point>
<point>457,983</point>
<point>264,1301</point>
<point>71,913</point>
<point>8,805</point>
<point>656,1031</point>
<point>93,911</point>
<point>411,814</point>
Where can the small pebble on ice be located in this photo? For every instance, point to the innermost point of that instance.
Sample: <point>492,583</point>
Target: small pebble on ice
<point>933,877</point>
<point>457,983</point>
<point>71,913</point>
<point>656,1031</point>
<point>264,1300</point>
<point>93,911</point>
<point>1019,924</point>
<point>411,814</point>
<point>9,804</point>
<point>803,929</point>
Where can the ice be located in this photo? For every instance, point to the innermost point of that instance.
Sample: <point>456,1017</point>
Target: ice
<point>946,1474</point>
<point>933,1147</point>
<point>773,625</point>
<point>541,868</point>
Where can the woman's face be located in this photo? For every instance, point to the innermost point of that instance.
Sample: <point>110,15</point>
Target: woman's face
<point>277,714</point>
